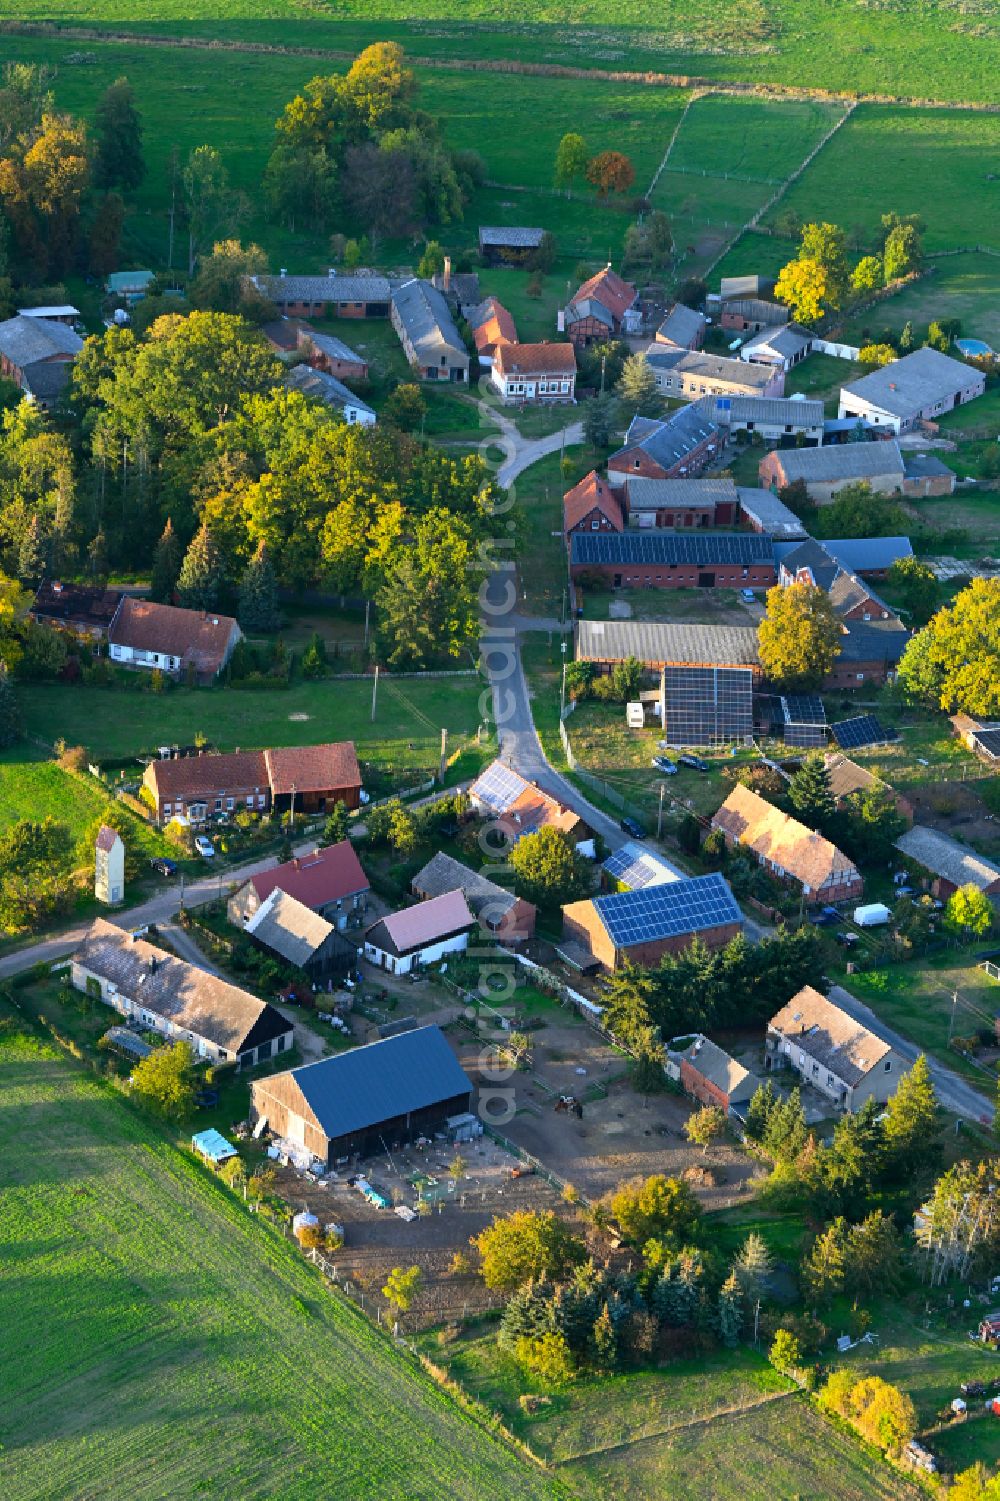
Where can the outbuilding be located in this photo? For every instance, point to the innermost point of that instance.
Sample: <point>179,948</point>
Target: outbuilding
<point>641,925</point>
<point>950,864</point>
<point>709,1075</point>
<point>420,935</point>
<point>370,1099</point>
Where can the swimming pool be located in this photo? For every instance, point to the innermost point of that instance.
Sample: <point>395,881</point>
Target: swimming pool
<point>973,346</point>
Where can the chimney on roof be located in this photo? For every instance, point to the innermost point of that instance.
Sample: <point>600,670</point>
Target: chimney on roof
<point>447,273</point>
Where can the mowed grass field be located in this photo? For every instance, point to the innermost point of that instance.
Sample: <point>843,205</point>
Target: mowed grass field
<point>406,732</point>
<point>159,1341</point>
<point>966,287</point>
<point>40,789</point>
<point>918,48</point>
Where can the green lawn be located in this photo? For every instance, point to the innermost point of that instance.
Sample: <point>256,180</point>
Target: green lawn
<point>820,377</point>
<point>405,735</point>
<point>966,287</point>
<point>977,512</point>
<point>159,1340</point>
<point>541,548</point>
<point>33,788</point>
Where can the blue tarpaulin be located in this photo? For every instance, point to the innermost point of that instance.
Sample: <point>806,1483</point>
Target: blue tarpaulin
<point>212,1145</point>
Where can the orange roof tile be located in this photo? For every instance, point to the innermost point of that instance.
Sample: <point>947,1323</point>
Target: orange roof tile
<point>774,836</point>
<point>535,359</point>
<point>610,289</point>
<point>591,493</point>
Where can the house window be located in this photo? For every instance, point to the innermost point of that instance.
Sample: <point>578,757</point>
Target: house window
<point>218,805</point>
<point>594,525</point>
<point>230,803</point>
<point>166,809</point>
<point>261,799</point>
<point>830,1080</point>
<point>888,1065</point>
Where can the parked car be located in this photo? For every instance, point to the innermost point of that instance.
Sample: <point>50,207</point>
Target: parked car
<point>632,828</point>
<point>973,1388</point>
<point>826,917</point>
<point>204,846</point>
<point>664,764</point>
<point>847,940</point>
<point>163,866</point>
<point>695,762</point>
<point>748,595</point>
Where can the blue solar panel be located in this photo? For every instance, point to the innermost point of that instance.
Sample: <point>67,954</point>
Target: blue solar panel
<point>669,911</point>
<point>864,729</point>
<point>635,867</point>
<point>498,787</point>
<point>702,549</point>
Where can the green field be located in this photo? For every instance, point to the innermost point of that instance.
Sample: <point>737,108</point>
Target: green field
<point>966,287</point>
<point>406,732</point>
<point>922,48</point>
<point>160,1341</point>
<point>40,789</point>
<point>726,1425</point>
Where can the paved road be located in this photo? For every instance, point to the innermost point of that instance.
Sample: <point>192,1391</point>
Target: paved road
<point>952,1091</point>
<point>157,909</point>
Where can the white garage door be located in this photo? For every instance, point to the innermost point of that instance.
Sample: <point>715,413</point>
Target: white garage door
<point>297,1130</point>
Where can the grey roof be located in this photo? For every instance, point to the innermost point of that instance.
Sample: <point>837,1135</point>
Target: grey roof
<point>46,381</point>
<point>843,461</point>
<point>743,286</point>
<point>292,930</point>
<point>668,909</point>
<point>669,440</point>
<point>784,411</point>
<point>869,554</point>
<point>873,641</point>
<point>26,341</point>
<point>769,513</point>
<point>916,381</point>
<point>189,997</point>
<point>925,466</point>
<point>698,549</point>
<point>129,281</point>
<point>715,1065</point>
<point>324,288</point>
<point>847,591</point>
<point>429,326</point>
<point>443,873</point>
<point>516,237</point>
<point>634,866</point>
<point>945,857</point>
<point>814,556</point>
<point>334,348</point>
<point>589,307</point>
<point>681,325</point>
<point>653,494</point>
<point>787,341</point>
<point>756,309</point>
<point>323,387</point>
<point>699,365</point>
<point>822,1029</point>
<point>657,642</point>
<point>381,1080</point>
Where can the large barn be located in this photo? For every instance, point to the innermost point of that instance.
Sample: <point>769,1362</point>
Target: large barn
<point>370,1099</point>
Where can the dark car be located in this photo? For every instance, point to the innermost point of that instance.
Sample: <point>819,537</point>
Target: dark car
<point>826,917</point>
<point>695,762</point>
<point>664,764</point>
<point>633,829</point>
<point>973,1388</point>
<point>163,866</point>
<point>847,940</point>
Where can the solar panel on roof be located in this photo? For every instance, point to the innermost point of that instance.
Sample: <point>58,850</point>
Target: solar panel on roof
<point>864,729</point>
<point>987,741</point>
<point>803,708</point>
<point>498,787</point>
<point>669,911</point>
<point>636,867</point>
<point>700,550</point>
<point>708,705</point>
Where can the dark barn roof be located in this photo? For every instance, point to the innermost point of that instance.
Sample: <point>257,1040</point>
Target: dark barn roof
<point>699,549</point>
<point>382,1080</point>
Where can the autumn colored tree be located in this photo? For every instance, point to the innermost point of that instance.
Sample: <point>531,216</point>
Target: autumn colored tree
<point>867,275</point>
<point>800,637</point>
<point>524,1245</point>
<point>610,172</point>
<point>804,287</point>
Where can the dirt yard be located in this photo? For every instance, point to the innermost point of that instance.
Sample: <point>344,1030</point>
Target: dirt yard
<point>956,808</point>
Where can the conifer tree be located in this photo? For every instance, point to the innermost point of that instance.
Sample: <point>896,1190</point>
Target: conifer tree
<point>912,1120</point>
<point>201,572</point>
<point>604,1341</point>
<point>637,388</point>
<point>258,605</point>
<point>730,1311</point>
<point>810,793</point>
<point>31,555</point>
<point>97,556</point>
<point>166,566</point>
<point>10,714</point>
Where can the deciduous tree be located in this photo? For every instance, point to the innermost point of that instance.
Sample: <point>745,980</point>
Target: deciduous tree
<point>547,869</point>
<point>800,637</point>
<point>572,158</point>
<point>118,160</point>
<point>654,1208</point>
<point>969,912</point>
<point>954,662</point>
<point>917,584</point>
<point>165,1080</point>
<point>526,1245</point>
<point>610,172</point>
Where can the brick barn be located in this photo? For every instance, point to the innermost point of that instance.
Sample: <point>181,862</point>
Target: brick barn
<point>674,560</point>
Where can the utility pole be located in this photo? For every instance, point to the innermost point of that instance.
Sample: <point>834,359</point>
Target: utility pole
<point>659,816</point>
<point>374,692</point>
<point>291,811</point>
<point>444,755</point>
<point>604,361</point>
<point>562,696</point>
<point>173,207</point>
<point>368,606</point>
<point>951,1019</point>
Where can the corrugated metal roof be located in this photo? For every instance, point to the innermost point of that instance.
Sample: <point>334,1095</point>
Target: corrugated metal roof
<point>324,288</point>
<point>947,858</point>
<point>26,341</point>
<point>916,381</point>
<point>769,513</point>
<point>292,930</point>
<point>655,642</point>
<point>846,461</point>
<point>516,237</point>
<point>652,494</point>
<point>427,320</point>
<point>382,1080</point>
<point>783,411</point>
<point>322,386</point>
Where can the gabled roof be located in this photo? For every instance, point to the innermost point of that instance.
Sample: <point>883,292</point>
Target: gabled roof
<point>667,440</point>
<point>512,237</point>
<point>192,635</point>
<point>847,592</point>
<point>699,365</point>
<point>945,857</point>
<point>606,288</point>
<point>842,461</point>
<point>289,928</point>
<point>380,1081</point>
<point>194,1000</point>
<point>129,281</point>
<point>635,866</point>
<point>421,926</point>
<point>46,380</point>
<point>442,874</point>
<point>505,794</point>
<point>787,341</point>
<point>27,341</point>
<point>106,838</point>
<point>79,603</point>
<point>715,1065</point>
<point>313,768</point>
<point>535,359</point>
<point>681,325</point>
<point>664,644</point>
<point>667,909</point>
<point>321,386</point>
<point>655,494</point>
<point>592,493</point>
<point>772,835</point>
<point>200,777</point>
<point>331,346</point>
<point>869,554</point>
<point>427,319</point>
<point>783,411</point>
<point>846,776</point>
<point>491,324</point>
<point>918,380</point>
<point>753,308</point>
<point>829,1035</point>
<point>769,513</point>
<point>873,641</point>
<point>327,875</point>
<point>324,288</point>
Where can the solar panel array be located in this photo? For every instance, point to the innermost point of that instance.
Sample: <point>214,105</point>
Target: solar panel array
<point>708,705</point>
<point>702,550</point>
<point>635,867</point>
<point>498,787</point>
<point>804,720</point>
<point>864,729</point>
<point>989,742</point>
<point>670,911</point>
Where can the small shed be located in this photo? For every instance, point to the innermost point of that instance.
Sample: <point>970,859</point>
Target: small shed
<point>109,867</point>
<point>213,1146</point>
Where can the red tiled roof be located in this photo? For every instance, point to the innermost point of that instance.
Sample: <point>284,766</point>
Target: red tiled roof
<point>328,875</point>
<point>535,359</point>
<point>106,838</point>
<point>199,776</point>
<point>191,635</point>
<point>313,768</point>
<point>610,289</point>
<point>496,327</point>
<point>591,493</point>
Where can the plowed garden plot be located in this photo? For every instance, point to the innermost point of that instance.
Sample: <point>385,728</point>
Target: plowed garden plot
<point>161,1342</point>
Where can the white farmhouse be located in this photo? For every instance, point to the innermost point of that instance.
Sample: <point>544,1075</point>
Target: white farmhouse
<point>839,1056</point>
